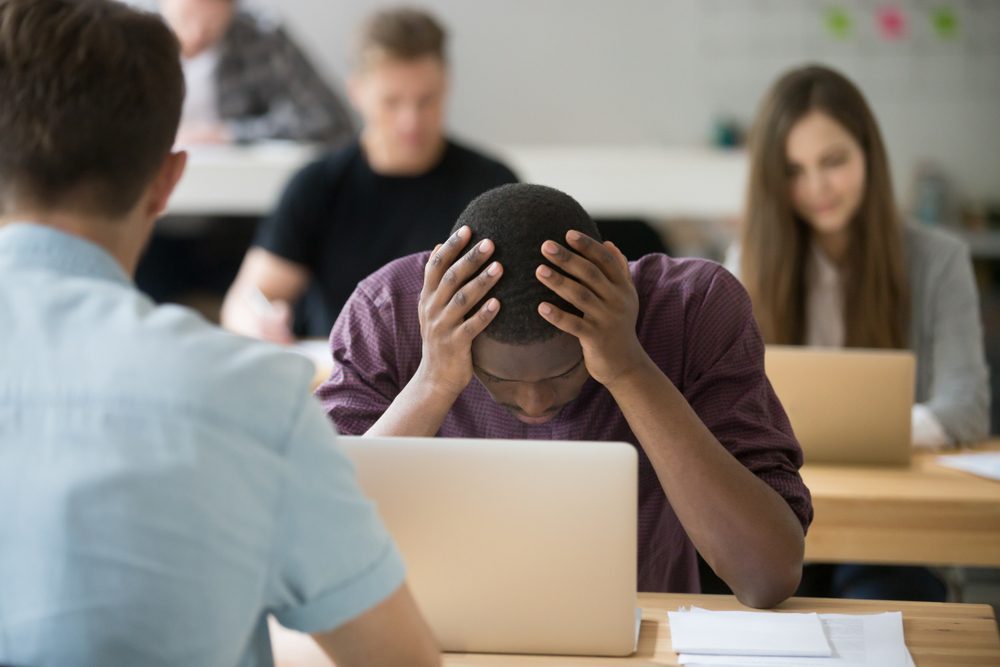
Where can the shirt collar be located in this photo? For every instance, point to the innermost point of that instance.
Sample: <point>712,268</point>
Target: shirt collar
<point>32,246</point>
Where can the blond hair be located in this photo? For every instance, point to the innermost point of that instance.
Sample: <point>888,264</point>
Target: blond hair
<point>401,33</point>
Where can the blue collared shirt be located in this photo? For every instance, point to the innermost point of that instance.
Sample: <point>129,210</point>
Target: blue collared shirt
<point>164,485</point>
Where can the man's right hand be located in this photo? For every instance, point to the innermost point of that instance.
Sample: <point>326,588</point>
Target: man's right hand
<point>259,302</point>
<point>453,285</point>
<point>274,323</point>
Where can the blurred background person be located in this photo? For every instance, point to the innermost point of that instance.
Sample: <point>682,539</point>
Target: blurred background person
<point>247,80</point>
<point>829,261</point>
<point>395,191</point>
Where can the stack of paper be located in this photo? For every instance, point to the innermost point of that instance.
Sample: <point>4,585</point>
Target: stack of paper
<point>769,639</point>
<point>316,351</point>
<point>984,464</point>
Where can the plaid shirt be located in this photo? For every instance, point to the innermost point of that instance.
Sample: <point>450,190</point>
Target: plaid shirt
<point>267,89</point>
<point>695,322</point>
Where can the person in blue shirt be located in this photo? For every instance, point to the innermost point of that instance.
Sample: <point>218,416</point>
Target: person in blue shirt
<point>166,486</point>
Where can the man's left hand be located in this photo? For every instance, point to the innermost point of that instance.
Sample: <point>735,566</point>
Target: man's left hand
<point>601,288</point>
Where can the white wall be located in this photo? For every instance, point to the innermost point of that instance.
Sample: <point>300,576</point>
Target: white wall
<point>659,71</point>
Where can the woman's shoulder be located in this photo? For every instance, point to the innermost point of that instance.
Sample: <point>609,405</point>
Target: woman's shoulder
<point>939,262</point>
<point>926,244</point>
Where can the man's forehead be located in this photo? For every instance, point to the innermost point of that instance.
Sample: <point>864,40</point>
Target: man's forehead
<point>527,361</point>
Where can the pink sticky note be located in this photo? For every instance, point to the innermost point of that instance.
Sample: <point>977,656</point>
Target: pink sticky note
<point>891,22</point>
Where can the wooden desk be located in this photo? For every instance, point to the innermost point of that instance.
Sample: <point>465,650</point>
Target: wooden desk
<point>925,515</point>
<point>937,635</point>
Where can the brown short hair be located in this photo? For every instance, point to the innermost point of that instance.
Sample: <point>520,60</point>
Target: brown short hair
<point>91,96</point>
<point>401,33</point>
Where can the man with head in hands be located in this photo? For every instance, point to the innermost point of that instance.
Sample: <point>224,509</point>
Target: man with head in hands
<point>524,325</point>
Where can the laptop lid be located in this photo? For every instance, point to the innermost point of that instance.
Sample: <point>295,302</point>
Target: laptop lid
<point>512,546</point>
<point>847,406</point>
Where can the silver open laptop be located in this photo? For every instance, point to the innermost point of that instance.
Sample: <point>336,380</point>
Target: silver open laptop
<point>846,406</point>
<point>512,546</point>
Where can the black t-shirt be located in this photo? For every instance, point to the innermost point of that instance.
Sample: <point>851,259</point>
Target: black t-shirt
<point>342,221</point>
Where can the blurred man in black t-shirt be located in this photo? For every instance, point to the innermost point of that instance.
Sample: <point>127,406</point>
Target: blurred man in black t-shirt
<point>396,190</point>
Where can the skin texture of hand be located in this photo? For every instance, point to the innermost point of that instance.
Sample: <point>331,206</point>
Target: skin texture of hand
<point>276,325</point>
<point>601,288</point>
<point>259,302</point>
<point>452,287</point>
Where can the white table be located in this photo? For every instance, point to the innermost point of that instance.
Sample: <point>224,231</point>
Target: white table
<point>237,180</point>
<point>648,182</point>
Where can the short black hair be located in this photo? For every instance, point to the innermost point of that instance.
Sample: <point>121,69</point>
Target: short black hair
<point>90,99</point>
<point>518,218</point>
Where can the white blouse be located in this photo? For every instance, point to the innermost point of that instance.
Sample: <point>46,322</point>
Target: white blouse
<point>201,106</point>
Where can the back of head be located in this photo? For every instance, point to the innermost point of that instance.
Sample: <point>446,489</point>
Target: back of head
<point>518,218</point>
<point>400,33</point>
<point>92,93</point>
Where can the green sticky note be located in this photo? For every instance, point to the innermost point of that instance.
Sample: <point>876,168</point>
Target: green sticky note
<point>945,22</point>
<point>838,22</point>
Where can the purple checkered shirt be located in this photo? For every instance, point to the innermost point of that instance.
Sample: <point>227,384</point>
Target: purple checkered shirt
<point>695,322</point>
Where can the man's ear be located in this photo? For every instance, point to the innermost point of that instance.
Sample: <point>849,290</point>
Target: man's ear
<point>163,184</point>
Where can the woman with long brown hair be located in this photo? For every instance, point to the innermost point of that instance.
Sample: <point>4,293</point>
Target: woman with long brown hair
<point>828,261</point>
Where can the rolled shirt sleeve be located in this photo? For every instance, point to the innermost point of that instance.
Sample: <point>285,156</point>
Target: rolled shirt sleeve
<point>375,345</point>
<point>725,384</point>
<point>333,558</point>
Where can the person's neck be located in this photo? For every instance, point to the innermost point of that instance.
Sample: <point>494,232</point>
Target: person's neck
<point>122,239</point>
<point>384,162</point>
<point>834,246</point>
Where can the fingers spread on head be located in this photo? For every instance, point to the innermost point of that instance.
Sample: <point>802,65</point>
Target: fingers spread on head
<point>580,268</point>
<point>444,255</point>
<point>597,253</point>
<point>461,271</point>
<point>620,259</point>
<point>474,290</point>
<point>475,325</point>
<point>562,320</point>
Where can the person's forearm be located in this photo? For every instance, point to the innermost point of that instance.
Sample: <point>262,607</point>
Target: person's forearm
<point>391,633</point>
<point>743,528</point>
<point>418,410</point>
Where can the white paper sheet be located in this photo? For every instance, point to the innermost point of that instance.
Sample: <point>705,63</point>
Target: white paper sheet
<point>874,640</point>
<point>317,351</point>
<point>984,464</point>
<point>747,633</point>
